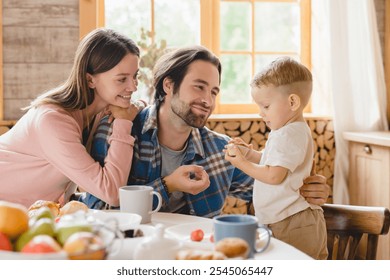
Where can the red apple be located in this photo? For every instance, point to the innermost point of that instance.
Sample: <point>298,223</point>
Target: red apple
<point>41,244</point>
<point>5,243</point>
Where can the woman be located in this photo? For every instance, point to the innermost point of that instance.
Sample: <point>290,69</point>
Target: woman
<point>47,150</point>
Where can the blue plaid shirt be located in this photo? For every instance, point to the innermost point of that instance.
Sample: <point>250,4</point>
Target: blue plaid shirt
<point>204,148</point>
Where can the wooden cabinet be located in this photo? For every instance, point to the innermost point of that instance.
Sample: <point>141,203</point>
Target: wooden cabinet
<point>369,175</point>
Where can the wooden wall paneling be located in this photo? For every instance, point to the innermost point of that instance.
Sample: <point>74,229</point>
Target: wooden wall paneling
<point>38,77</point>
<point>35,59</point>
<point>14,108</point>
<point>39,41</point>
<point>58,15</point>
<point>38,3</point>
<point>39,44</point>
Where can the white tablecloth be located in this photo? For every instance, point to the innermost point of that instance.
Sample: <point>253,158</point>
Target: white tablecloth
<point>277,250</point>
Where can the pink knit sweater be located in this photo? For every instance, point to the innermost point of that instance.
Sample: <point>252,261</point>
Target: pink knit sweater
<point>43,154</point>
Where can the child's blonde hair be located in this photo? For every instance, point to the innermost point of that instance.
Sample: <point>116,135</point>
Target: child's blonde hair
<point>285,71</point>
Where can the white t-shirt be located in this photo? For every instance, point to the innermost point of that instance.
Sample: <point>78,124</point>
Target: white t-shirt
<point>290,147</point>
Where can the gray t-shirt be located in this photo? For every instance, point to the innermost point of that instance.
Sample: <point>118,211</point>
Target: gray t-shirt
<point>171,160</point>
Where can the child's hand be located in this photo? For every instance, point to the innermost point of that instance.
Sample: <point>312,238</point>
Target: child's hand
<point>238,141</point>
<point>230,150</point>
<point>242,146</point>
<point>233,154</point>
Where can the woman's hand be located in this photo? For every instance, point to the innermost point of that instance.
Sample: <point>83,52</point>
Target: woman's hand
<point>314,189</point>
<point>129,113</point>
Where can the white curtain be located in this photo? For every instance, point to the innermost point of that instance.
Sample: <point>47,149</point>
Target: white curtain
<point>348,71</point>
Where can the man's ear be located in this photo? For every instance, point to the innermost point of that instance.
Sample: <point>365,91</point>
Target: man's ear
<point>294,101</point>
<point>168,86</point>
<point>91,81</point>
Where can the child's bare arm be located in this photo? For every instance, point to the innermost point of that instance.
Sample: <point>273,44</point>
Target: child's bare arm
<point>273,175</point>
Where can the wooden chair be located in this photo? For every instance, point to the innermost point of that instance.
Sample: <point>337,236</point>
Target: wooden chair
<point>346,224</point>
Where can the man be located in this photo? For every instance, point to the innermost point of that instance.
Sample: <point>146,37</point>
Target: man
<point>174,152</point>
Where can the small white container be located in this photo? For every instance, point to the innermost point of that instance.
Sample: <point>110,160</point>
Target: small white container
<point>157,247</point>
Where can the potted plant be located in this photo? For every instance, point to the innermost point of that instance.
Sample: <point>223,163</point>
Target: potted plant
<point>151,51</point>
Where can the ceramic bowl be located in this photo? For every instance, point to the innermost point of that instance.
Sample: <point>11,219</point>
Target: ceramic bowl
<point>124,249</point>
<point>121,220</point>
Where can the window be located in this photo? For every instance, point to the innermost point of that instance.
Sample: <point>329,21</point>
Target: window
<point>245,34</point>
<point>161,17</point>
<point>176,21</point>
<point>252,34</point>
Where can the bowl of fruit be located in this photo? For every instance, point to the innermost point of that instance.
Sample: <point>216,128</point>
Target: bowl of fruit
<point>45,233</point>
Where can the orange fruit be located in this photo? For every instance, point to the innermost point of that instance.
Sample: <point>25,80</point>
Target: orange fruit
<point>84,245</point>
<point>13,219</point>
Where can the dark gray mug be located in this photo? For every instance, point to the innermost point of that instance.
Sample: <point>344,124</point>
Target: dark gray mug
<point>245,227</point>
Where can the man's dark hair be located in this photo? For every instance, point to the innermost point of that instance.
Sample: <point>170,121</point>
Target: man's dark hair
<point>174,65</point>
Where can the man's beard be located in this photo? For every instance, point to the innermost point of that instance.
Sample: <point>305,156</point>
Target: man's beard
<point>183,111</point>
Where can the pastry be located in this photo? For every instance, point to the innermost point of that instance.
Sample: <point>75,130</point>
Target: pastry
<point>230,150</point>
<point>192,254</point>
<point>53,206</point>
<point>72,207</point>
<point>233,247</point>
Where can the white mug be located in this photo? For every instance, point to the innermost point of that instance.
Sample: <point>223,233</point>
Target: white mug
<point>139,200</point>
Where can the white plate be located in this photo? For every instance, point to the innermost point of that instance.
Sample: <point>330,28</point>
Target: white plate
<point>183,233</point>
<point>125,220</point>
<point>170,219</point>
<point>10,255</point>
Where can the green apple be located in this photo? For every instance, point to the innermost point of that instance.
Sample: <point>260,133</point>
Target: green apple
<point>63,232</point>
<point>22,240</point>
<point>43,212</point>
<point>43,226</point>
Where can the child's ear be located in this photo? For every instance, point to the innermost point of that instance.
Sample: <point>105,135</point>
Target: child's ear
<point>168,86</point>
<point>294,101</point>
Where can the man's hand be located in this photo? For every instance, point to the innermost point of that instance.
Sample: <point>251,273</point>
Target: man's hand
<point>191,179</point>
<point>314,189</point>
